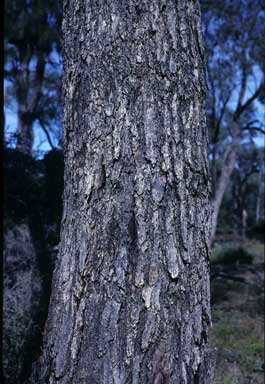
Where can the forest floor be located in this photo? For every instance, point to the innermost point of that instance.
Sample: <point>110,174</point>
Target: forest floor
<point>238,312</point>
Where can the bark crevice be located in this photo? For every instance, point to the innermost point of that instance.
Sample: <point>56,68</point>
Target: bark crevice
<point>130,300</point>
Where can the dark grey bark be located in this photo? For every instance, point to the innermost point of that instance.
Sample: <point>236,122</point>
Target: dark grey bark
<point>130,301</point>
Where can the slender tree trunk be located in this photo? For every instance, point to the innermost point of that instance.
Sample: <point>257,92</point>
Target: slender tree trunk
<point>214,169</point>
<point>28,96</point>
<point>222,183</point>
<point>258,204</point>
<point>24,133</point>
<point>244,223</point>
<point>24,125</point>
<point>130,301</point>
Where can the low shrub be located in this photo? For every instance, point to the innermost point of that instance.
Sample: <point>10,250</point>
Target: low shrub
<point>233,256</point>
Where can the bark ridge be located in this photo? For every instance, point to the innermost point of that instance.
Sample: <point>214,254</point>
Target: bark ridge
<point>130,300</point>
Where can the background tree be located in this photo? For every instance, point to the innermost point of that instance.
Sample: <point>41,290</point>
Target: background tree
<point>33,188</point>
<point>32,216</point>
<point>234,32</point>
<point>32,68</point>
<point>246,183</point>
<point>130,298</point>
<point>244,192</point>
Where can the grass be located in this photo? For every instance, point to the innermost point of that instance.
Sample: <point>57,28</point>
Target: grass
<point>238,323</point>
<point>228,380</point>
<point>242,337</point>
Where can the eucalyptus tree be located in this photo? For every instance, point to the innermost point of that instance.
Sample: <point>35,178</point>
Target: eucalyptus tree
<point>234,37</point>
<point>32,67</point>
<point>247,186</point>
<point>32,88</point>
<point>130,300</point>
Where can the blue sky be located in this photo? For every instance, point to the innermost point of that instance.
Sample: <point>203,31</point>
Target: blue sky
<point>41,144</point>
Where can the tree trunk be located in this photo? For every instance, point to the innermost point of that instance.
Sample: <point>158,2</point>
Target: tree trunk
<point>24,134</point>
<point>227,169</point>
<point>130,301</point>
<point>258,204</point>
<point>28,96</point>
<point>244,223</point>
<point>25,123</point>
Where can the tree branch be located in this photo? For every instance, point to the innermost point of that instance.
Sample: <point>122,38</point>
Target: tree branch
<point>258,129</point>
<point>40,68</point>
<point>223,108</point>
<point>46,133</point>
<point>243,84</point>
<point>241,108</point>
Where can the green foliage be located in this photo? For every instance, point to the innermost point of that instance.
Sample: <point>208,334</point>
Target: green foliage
<point>233,32</point>
<point>234,46</point>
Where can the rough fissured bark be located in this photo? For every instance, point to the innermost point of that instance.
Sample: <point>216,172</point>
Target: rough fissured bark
<point>130,300</point>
